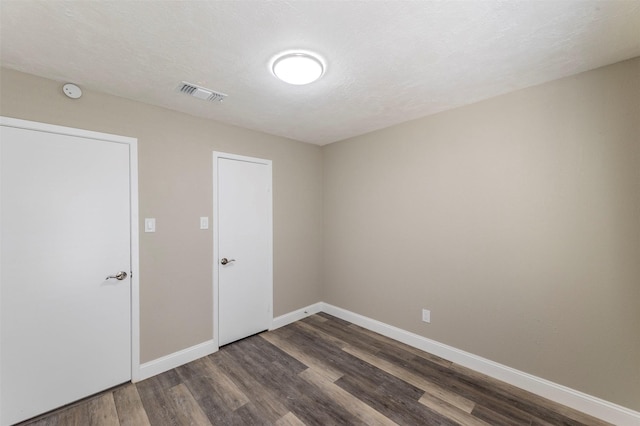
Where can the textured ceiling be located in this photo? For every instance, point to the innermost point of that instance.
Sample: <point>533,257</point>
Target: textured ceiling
<point>388,61</point>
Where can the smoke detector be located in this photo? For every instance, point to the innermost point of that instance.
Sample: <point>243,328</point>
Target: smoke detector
<point>201,92</point>
<point>72,91</point>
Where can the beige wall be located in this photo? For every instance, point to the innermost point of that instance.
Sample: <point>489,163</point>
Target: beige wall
<point>175,172</point>
<point>516,221</point>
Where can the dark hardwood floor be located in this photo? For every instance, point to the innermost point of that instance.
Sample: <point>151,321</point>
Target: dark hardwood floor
<point>318,371</point>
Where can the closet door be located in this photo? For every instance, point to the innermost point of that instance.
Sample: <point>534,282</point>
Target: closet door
<point>243,246</point>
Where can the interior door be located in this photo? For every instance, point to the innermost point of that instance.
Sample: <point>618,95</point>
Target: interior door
<point>244,246</point>
<point>65,227</point>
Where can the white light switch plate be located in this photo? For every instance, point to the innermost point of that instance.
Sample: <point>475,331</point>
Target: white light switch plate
<point>204,223</point>
<point>149,224</point>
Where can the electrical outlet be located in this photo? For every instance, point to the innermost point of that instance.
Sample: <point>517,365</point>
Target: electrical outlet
<point>426,315</point>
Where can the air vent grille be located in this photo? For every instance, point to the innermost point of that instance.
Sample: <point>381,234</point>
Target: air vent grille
<point>201,92</point>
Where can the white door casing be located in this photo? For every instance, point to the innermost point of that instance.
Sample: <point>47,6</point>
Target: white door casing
<point>243,234</point>
<point>68,220</point>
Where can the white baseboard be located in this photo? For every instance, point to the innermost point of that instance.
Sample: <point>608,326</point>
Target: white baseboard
<point>577,400</point>
<point>176,359</point>
<point>296,315</point>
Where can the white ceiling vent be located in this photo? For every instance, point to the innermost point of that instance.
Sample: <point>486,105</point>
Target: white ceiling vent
<point>201,92</point>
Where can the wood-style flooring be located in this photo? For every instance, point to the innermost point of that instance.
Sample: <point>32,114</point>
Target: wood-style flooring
<point>317,371</point>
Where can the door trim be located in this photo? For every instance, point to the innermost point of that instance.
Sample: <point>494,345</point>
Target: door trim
<point>134,227</point>
<point>216,266</point>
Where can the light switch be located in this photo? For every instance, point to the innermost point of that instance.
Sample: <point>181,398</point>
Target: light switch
<point>204,223</point>
<point>149,224</point>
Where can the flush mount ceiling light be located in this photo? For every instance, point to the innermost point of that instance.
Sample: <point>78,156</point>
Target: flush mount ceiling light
<point>297,68</point>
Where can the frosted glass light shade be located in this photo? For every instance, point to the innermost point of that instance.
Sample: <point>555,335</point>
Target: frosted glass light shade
<point>298,68</point>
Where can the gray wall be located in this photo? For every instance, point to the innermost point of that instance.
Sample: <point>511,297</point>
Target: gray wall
<point>175,172</point>
<point>516,221</point>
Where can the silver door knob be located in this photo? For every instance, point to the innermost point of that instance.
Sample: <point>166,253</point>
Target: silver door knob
<point>224,260</point>
<point>119,276</point>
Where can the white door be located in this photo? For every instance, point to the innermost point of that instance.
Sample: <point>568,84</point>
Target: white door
<point>243,246</point>
<point>65,226</point>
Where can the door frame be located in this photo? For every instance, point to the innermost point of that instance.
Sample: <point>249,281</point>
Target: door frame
<point>216,249</point>
<point>133,221</point>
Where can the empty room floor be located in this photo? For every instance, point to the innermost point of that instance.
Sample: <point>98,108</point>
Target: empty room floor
<point>317,371</point>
